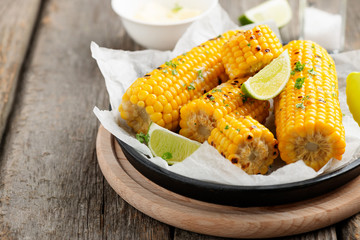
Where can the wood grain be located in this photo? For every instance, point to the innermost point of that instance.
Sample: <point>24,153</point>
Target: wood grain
<point>51,186</point>
<point>50,183</point>
<point>219,220</point>
<point>17,19</point>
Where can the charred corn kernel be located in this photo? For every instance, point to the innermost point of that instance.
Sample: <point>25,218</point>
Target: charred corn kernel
<point>177,82</point>
<point>198,117</point>
<point>245,142</point>
<point>249,51</point>
<point>307,112</point>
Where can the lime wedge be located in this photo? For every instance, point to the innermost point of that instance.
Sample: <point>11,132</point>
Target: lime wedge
<point>277,10</point>
<point>352,94</point>
<point>270,80</point>
<point>170,146</point>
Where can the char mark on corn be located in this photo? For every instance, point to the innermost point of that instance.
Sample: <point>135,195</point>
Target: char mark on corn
<point>308,118</point>
<point>159,95</point>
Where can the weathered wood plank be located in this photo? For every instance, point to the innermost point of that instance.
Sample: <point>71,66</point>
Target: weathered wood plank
<point>50,184</point>
<point>17,18</point>
<point>321,234</point>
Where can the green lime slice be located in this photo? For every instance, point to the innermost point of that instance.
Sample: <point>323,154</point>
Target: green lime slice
<point>277,10</point>
<point>270,80</point>
<point>170,146</point>
<point>352,94</point>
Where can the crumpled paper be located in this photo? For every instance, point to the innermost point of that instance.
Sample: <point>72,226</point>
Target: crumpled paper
<point>121,68</point>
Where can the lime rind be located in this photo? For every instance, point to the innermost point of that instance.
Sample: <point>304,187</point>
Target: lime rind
<point>277,10</point>
<point>244,20</point>
<point>163,141</point>
<point>270,80</point>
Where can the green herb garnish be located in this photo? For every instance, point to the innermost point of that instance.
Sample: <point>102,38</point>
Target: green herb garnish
<point>167,156</point>
<point>199,72</point>
<point>174,72</point>
<point>244,97</point>
<point>299,67</point>
<point>312,72</point>
<point>299,82</point>
<point>300,105</point>
<point>176,8</point>
<point>171,64</point>
<point>143,138</point>
<point>191,87</point>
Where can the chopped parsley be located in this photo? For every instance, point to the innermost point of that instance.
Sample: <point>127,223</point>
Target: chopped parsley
<point>299,83</point>
<point>244,97</point>
<point>199,72</point>
<point>216,90</point>
<point>167,156</point>
<point>165,71</point>
<point>174,72</point>
<point>300,105</point>
<point>299,67</point>
<point>143,138</point>
<point>212,98</point>
<point>226,127</point>
<point>191,87</point>
<point>171,64</point>
<point>292,72</point>
<point>312,72</point>
<point>176,8</point>
<point>249,44</point>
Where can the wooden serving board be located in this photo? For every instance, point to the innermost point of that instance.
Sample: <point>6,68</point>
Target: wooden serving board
<point>219,220</point>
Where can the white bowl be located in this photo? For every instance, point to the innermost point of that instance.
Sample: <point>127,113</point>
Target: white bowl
<point>164,35</point>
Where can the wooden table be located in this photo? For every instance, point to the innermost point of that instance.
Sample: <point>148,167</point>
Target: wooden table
<point>51,186</point>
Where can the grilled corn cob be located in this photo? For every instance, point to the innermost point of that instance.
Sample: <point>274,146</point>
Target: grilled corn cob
<point>245,142</point>
<point>249,51</point>
<point>159,95</point>
<point>199,116</point>
<point>307,112</point>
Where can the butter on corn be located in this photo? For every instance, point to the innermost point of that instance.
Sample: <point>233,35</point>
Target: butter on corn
<point>308,118</point>
<point>249,51</point>
<point>245,142</point>
<point>159,95</point>
<point>199,116</point>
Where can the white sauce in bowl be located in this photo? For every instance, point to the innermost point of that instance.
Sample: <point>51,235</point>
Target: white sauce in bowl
<point>154,12</point>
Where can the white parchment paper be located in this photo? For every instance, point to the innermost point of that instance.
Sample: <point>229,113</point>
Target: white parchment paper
<point>121,68</point>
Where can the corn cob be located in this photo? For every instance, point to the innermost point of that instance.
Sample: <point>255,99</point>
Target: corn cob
<point>199,116</point>
<point>159,95</point>
<point>245,142</point>
<point>249,51</point>
<point>308,118</point>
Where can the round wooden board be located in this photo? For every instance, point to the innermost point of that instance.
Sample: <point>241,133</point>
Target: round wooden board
<point>219,220</point>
